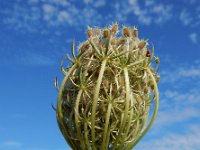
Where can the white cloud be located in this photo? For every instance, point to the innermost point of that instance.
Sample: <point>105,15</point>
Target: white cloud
<point>149,2</point>
<point>145,19</point>
<point>42,14</point>
<point>185,17</point>
<point>33,59</point>
<point>183,73</point>
<point>99,3</point>
<point>176,115</point>
<point>11,143</point>
<point>192,72</point>
<point>49,11</point>
<point>179,96</point>
<point>60,2</point>
<point>64,16</point>
<point>193,37</point>
<point>163,12</point>
<point>152,12</point>
<point>87,1</point>
<point>188,140</point>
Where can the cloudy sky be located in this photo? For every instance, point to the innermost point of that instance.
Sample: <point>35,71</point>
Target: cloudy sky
<point>35,34</point>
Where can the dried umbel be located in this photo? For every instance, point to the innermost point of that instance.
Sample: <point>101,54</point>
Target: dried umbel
<point>107,93</point>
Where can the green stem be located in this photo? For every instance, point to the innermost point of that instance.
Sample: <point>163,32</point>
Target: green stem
<point>77,120</point>
<point>106,126</point>
<point>86,135</point>
<point>60,118</point>
<point>127,85</point>
<point>95,100</point>
<point>131,145</point>
<point>130,118</point>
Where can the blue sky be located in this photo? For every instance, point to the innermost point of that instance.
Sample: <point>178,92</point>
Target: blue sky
<point>35,34</point>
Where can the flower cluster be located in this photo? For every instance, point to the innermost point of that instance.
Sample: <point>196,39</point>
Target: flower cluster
<point>106,94</point>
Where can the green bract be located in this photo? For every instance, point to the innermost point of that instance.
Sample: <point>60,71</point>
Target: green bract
<point>106,94</point>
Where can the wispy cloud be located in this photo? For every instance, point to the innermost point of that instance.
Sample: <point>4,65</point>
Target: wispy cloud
<point>11,144</point>
<point>40,14</point>
<point>95,3</point>
<point>180,115</point>
<point>188,140</point>
<point>33,59</point>
<point>179,105</point>
<point>152,13</point>
<point>87,1</point>
<point>99,3</point>
<point>53,13</point>
<point>189,15</point>
<point>193,37</point>
<point>185,17</point>
<point>182,73</point>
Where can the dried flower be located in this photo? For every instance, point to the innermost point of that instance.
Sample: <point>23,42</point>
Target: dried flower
<point>104,99</point>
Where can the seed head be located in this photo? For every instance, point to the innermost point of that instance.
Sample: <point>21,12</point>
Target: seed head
<point>135,32</point>
<point>114,28</point>
<point>106,33</point>
<point>105,97</point>
<point>126,32</point>
<point>142,44</point>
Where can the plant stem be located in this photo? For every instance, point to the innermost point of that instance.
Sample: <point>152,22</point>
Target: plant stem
<point>95,100</point>
<point>77,120</point>
<point>60,118</point>
<point>127,85</point>
<point>106,126</point>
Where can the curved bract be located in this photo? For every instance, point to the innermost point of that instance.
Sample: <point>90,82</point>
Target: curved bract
<point>107,93</point>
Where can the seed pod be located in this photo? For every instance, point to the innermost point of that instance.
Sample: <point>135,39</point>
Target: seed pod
<point>126,32</point>
<point>146,89</point>
<point>157,60</point>
<point>148,54</point>
<point>114,28</point>
<point>152,86</point>
<point>142,44</point>
<point>135,32</point>
<point>102,101</point>
<point>122,41</point>
<point>106,33</point>
<point>89,32</point>
<point>157,78</point>
<point>106,84</point>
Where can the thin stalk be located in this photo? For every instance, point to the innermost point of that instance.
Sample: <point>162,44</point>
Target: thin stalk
<point>106,126</point>
<point>96,50</point>
<point>86,135</point>
<point>134,133</point>
<point>108,137</point>
<point>60,118</point>
<point>130,118</point>
<point>95,100</point>
<point>131,145</point>
<point>127,86</point>
<point>77,119</point>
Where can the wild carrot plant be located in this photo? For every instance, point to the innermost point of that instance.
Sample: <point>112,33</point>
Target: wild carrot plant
<point>108,91</point>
